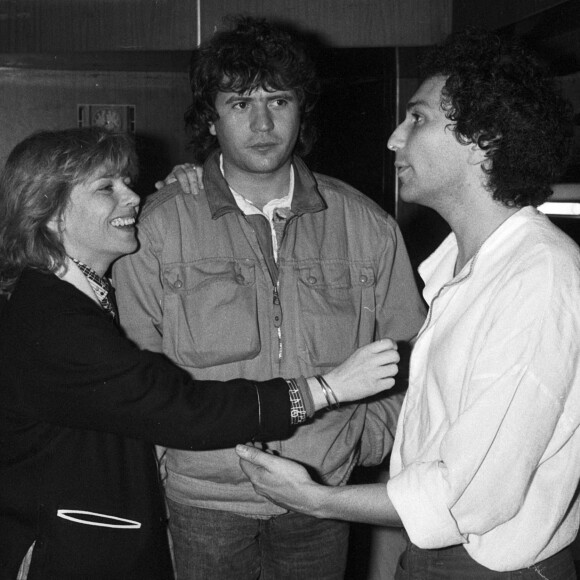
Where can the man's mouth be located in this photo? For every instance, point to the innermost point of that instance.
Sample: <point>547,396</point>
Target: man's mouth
<point>123,222</point>
<point>401,169</point>
<point>261,146</point>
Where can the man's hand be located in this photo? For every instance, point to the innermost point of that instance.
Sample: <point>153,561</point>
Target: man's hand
<point>280,480</point>
<point>188,175</point>
<point>288,484</point>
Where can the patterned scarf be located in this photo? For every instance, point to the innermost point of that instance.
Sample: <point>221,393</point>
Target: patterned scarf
<point>101,286</point>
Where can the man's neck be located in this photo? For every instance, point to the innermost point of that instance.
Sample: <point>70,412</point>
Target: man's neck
<point>259,188</point>
<point>475,227</point>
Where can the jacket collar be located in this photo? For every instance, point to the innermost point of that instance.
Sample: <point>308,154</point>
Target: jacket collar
<point>306,198</point>
<point>72,274</point>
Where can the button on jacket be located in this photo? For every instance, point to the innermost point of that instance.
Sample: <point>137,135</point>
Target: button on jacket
<point>205,290</point>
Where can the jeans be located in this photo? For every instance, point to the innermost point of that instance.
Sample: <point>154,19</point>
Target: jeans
<point>454,563</point>
<point>217,545</point>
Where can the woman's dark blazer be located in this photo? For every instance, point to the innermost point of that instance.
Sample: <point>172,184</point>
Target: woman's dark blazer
<point>80,410</point>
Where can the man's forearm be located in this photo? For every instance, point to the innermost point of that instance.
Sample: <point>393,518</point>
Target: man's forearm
<point>368,504</point>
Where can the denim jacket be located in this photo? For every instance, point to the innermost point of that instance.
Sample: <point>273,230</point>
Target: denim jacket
<point>204,289</point>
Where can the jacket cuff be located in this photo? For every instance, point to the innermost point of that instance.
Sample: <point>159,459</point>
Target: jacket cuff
<point>273,409</point>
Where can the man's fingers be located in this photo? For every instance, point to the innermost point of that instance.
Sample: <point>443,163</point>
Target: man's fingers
<point>251,454</point>
<point>387,383</point>
<point>160,184</point>
<point>187,177</point>
<point>199,174</point>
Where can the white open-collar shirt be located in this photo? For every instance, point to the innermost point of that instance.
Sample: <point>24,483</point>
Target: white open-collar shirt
<point>487,451</point>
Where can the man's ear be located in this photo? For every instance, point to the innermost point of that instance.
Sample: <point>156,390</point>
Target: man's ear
<point>480,155</point>
<point>477,155</point>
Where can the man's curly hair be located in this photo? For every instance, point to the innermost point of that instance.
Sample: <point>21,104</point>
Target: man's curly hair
<point>253,54</point>
<point>500,96</point>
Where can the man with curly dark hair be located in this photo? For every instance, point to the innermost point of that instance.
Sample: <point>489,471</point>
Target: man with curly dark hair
<point>252,56</point>
<point>273,268</point>
<point>500,98</point>
<point>484,469</point>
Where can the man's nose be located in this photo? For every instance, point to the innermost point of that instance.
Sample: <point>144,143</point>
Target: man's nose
<point>262,119</point>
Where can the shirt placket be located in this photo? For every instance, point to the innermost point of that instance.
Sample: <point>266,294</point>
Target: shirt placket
<point>263,231</point>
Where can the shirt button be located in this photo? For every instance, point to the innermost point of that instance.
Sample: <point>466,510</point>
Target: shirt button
<point>363,279</point>
<point>178,284</point>
<point>311,280</point>
<point>240,279</point>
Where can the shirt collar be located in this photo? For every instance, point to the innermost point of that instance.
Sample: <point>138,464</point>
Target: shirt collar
<point>305,195</point>
<point>100,286</point>
<point>438,269</point>
<point>249,208</point>
<point>72,274</point>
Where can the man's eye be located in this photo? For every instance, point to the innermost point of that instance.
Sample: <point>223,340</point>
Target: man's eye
<point>416,118</point>
<point>241,106</point>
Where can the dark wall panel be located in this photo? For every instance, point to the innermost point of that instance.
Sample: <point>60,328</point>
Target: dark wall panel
<point>44,99</point>
<point>355,115</point>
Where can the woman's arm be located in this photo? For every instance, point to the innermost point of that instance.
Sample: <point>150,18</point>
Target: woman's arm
<point>81,372</point>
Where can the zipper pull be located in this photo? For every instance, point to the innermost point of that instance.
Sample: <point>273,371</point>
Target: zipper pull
<point>277,309</point>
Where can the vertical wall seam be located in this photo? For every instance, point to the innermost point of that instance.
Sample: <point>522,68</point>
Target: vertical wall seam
<point>198,22</point>
<point>397,113</point>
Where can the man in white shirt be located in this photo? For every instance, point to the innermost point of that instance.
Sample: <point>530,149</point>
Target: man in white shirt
<point>485,464</point>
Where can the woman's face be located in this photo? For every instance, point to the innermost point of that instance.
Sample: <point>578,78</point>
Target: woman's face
<point>98,224</point>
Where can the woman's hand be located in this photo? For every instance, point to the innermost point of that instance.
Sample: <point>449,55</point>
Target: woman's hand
<point>368,371</point>
<point>188,175</point>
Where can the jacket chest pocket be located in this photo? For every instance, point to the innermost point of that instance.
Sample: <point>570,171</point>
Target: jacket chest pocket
<point>210,312</point>
<point>336,309</point>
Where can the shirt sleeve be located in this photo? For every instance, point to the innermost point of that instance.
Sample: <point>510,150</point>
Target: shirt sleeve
<point>513,414</point>
<point>399,315</point>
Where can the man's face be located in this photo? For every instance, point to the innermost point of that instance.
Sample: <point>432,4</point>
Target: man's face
<point>98,224</point>
<point>432,165</point>
<point>256,131</point>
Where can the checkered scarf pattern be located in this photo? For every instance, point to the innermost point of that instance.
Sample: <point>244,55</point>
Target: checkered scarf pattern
<point>101,286</point>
